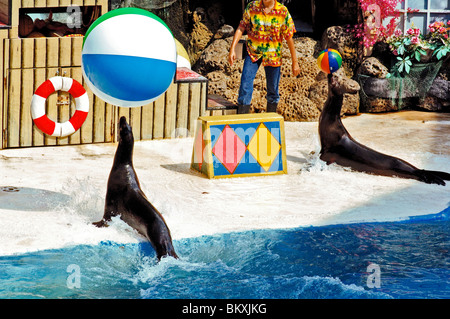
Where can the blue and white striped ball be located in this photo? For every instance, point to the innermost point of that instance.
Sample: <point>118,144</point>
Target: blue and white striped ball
<point>129,57</point>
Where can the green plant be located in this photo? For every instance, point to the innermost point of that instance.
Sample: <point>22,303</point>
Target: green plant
<point>439,38</point>
<point>404,63</point>
<point>413,46</point>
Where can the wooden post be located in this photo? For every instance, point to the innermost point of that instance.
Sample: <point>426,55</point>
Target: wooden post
<point>171,110</point>
<point>158,117</point>
<point>147,122</point>
<point>194,106</point>
<point>182,110</point>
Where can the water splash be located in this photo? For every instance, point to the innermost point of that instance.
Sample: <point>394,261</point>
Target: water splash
<point>313,262</point>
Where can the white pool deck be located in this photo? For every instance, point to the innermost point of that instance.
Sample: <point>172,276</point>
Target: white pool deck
<point>61,190</point>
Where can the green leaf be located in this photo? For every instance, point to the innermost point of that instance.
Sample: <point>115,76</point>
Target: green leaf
<point>432,46</point>
<point>417,55</point>
<point>407,67</point>
<point>422,51</point>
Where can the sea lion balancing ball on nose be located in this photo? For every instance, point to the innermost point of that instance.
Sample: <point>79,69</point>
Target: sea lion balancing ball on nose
<point>329,61</point>
<point>129,57</point>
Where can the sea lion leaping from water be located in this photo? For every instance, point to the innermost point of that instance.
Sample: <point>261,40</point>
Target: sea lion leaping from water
<point>124,197</point>
<point>340,148</point>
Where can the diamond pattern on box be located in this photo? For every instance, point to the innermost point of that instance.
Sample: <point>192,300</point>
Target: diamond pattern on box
<point>229,149</point>
<point>240,145</point>
<point>264,147</point>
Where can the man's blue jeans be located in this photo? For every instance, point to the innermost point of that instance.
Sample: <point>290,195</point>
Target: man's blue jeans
<point>248,76</point>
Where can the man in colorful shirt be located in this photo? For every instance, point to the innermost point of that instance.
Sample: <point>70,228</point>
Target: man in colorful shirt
<point>267,23</point>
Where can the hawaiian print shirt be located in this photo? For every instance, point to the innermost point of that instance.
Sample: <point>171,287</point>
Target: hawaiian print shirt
<point>266,31</point>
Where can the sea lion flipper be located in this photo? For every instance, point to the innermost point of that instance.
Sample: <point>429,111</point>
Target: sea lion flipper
<point>430,177</point>
<point>443,175</point>
<point>101,223</point>
<point>110,211</point>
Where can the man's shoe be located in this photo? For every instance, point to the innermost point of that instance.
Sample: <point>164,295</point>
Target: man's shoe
<point>243,109</point>
<point>271,107</point>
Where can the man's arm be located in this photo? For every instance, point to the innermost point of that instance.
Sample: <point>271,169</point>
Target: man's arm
<point>295,66</point>
<point>236,38</point>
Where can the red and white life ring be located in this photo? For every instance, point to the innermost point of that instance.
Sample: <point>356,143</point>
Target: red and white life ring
<point>38,106</point>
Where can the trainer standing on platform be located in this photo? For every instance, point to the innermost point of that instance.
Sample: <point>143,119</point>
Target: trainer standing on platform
<point>267,23</point>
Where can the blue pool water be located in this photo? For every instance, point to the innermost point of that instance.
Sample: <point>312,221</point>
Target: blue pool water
<point>413,259</point>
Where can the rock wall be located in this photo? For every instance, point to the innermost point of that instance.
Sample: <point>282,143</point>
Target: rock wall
<point>378,94</point>
<point>301,98</point>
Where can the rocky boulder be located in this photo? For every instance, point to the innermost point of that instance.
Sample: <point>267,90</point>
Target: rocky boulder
<point>438,97</point>
<point>374,68</point>
<point>338,38</point>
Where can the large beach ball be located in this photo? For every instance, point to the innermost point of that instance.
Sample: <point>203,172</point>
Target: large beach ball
<point>129,57</point>
<point>329,61</point>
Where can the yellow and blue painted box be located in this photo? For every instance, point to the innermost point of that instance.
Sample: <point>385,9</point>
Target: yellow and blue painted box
<point>240,145</point>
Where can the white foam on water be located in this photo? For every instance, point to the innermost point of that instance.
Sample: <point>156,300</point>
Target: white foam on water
<point>57,224</point>
<point>62,189</point>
